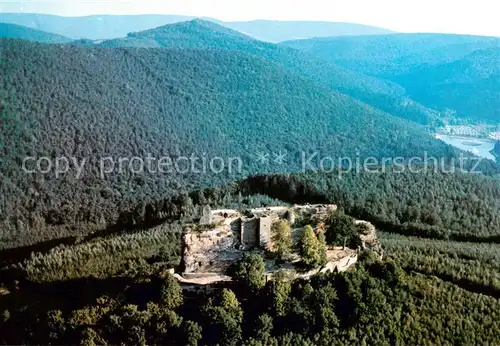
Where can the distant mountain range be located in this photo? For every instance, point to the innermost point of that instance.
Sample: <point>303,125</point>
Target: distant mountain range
<point>200,88</point>
<point>413,76</point>
<point>391,55</point>
<point>201,34</point>
<point>87,102</point>
<point>115,26</point>
<point>456,72</point>
<point>90,27</point>
<point>25,33</point>
<point>277,31</point>
<point>119,133</point>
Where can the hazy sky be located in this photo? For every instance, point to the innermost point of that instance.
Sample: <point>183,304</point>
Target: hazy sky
<point>450,16</point>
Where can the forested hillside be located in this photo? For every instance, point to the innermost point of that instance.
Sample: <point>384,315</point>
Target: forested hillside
<point>455,206</point>
<point>376,303</point>
<point>199,34</point>
<point>454,72</point>
<point>277,31</point>
<point>116,289</point>
<point>116,146</point>
<point>90,27</point>
<point>390,55</point>
<point>25,33</point>
<point>112,26</point>
<point>91,103</point>
<point>470,86</point>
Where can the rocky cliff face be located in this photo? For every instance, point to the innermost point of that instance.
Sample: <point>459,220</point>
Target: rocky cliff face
<point>210,249</point>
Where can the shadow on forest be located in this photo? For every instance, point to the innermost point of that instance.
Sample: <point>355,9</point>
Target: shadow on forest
<point>462,283</point>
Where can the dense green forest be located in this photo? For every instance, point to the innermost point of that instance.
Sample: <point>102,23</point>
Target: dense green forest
<point>200,34</point>
<point>397,73</point>
<point>94,27</point>
<point>456,72</point>
<point>25,33</point>
<point>457,207</point>
<point>99,27</point>
<point>377,303</point>
<point>93,103</point>
<point>115,289</point>
<point>391,55</point>
<point>86,254</point>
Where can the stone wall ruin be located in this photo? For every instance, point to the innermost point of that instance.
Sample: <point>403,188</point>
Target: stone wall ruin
<point>222,236</point>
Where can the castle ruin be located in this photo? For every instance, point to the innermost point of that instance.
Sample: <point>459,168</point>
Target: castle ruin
<point>222,236</point>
